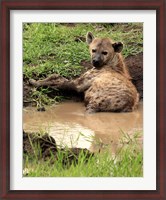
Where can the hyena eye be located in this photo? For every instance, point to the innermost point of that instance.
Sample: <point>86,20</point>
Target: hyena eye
<point>93,50</point>
<point>104,52</point>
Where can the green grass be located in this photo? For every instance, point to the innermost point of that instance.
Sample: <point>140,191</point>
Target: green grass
<point>54,48</point>
<point>51,47</point>
<point>127,162</point>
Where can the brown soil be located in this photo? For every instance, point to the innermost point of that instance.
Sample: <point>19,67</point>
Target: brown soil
<point>27,91</point>
<point>134,64</point>
<point>44,147</point>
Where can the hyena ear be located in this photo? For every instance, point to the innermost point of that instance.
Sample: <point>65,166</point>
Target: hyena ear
<point>89,37</point>
<point>118,46</point>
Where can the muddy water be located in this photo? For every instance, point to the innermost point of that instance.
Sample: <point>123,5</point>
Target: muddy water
<point>70,125</point>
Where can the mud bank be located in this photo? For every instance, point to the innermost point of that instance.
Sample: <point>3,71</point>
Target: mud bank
<point>45,147</point>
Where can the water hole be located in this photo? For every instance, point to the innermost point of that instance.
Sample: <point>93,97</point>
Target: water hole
<point>71,126</point>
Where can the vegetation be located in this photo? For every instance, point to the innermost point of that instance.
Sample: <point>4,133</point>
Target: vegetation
<point>128,162</point>
<point>61,48</point>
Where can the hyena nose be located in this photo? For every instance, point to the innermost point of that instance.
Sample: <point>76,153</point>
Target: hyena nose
<point>96,63</point>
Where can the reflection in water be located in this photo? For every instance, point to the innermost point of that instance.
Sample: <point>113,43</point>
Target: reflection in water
<point>70,125</point>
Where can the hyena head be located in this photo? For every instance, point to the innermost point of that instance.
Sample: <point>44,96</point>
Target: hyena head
<point>102,50</point>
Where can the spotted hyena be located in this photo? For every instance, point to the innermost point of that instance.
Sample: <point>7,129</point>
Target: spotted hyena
<point>107,86</point>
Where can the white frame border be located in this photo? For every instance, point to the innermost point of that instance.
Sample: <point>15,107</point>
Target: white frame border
<point>148,181</point>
